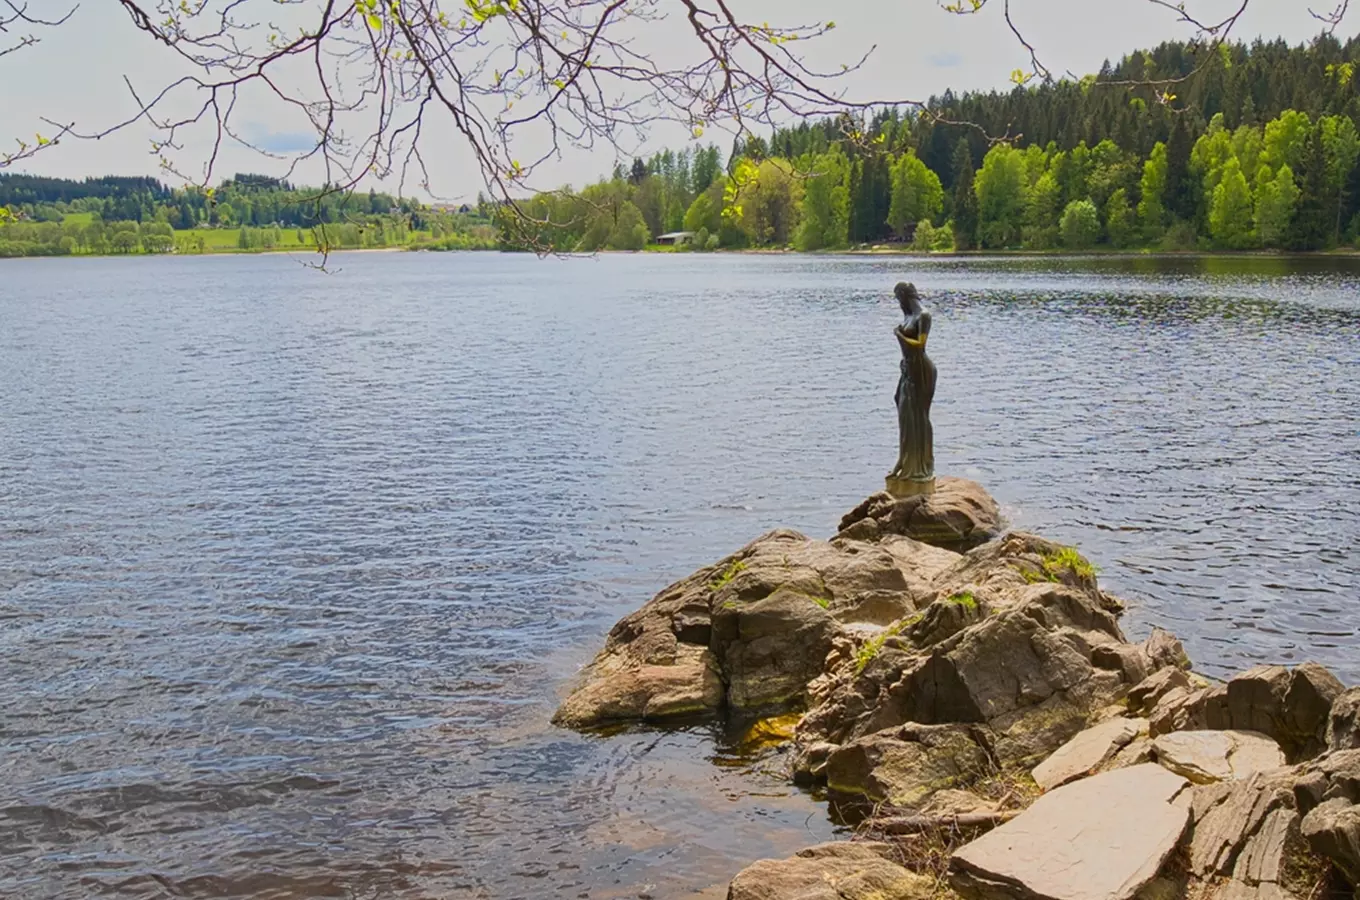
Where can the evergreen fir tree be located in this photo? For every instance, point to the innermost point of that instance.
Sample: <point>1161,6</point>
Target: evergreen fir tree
<point>1179,191</point>
<point>1312,224</point>
<point>965,200</point>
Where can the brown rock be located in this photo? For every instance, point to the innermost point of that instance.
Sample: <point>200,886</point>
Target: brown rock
<point>1069,846</point>
<point>959,514</point>
<point>1207,756</point>
<point>769,615</point>
<point>770,649</point>
<point>860,870</point>
<point>1262,857</point>
<point>1343,724</point>
<point>1135,753</point>
<point>1233,889</point>
<point>1144,696</point>
<point>1290,706</point>
<point>1180,709</point>
<point>1086,752</point>
<point>1226,817</point>
<point>906,765</point>
<point>1333,830</point>
<point>995,647</point>
<point>688,686</point>
<point>1165,651</point>
<point>950,802</point>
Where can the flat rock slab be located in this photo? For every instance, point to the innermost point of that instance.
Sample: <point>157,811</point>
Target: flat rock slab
<point>1100,838</point>
<point>1086,752</point>
<point>1208,756</point>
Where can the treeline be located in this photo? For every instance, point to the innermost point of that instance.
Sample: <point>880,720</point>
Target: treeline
<point>58,239</point>
<point>242,200</point>
<point>446,231</point>
<point>1259,150</point>
<point>111,215</point>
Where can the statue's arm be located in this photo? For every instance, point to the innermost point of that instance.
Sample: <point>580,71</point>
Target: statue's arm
<point>924,321</point>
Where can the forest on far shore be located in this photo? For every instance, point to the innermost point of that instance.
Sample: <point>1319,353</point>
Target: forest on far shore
<point>117,215</point>
<point>1257,150</point>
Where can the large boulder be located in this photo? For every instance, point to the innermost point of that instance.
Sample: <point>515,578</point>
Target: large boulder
<point>1008,640</point>
<point>751,630</point>
<point>1292,706</point>
<point>860,870</point>
<point>904,766</point>
<point>1101,838</point>
<point>958,515</point>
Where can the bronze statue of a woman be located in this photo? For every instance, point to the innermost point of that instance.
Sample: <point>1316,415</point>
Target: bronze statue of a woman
<point>915,469</point>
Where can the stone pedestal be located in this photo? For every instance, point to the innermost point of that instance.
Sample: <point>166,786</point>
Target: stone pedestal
<point>908,487</point>
<point>953,513</point>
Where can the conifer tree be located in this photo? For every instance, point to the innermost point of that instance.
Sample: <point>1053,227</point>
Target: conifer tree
<point>965,200</point>
<point>1312,224</point>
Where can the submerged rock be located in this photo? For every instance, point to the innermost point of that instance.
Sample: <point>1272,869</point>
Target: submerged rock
<point>1101,838</point>
<point>860,870</point>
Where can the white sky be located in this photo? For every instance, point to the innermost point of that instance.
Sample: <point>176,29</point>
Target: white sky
<point>76,73</point>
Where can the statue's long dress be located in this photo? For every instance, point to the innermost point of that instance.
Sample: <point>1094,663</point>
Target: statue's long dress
<point>915,391</point>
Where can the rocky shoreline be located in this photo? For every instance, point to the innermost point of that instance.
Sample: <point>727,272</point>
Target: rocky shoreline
<point>971,691</point>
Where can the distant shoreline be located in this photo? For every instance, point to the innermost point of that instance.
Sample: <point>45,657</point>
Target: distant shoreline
<point>1339,253</point>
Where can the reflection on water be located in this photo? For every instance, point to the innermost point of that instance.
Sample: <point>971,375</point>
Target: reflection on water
<point>294,566</point>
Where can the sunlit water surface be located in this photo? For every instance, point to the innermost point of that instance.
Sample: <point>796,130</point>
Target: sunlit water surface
<point>293,566</point>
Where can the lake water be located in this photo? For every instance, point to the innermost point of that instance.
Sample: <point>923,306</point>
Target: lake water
<point>294,566</point>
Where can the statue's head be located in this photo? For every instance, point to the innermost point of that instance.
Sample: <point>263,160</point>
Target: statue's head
<point>907,296</point>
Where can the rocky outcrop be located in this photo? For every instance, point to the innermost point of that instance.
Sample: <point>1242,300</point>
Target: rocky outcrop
<point>860,870</point>
<point>959,515</point>
<point>752,630</point>
<point>1011,639</point>
<point>935,682</point>
<point>1101,838</point>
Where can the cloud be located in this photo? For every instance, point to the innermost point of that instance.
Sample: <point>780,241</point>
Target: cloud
<point>946,60</point>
